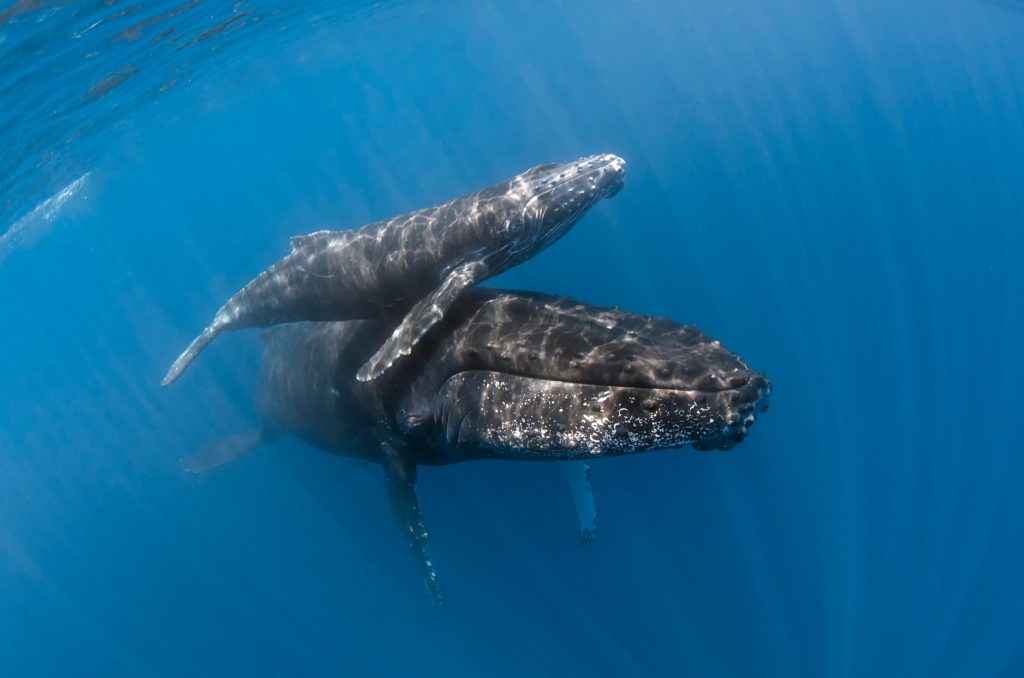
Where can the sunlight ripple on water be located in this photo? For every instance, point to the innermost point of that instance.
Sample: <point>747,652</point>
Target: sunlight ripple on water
<point>71,71</point>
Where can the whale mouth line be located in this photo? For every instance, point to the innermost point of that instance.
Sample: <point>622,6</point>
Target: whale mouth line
<point>692,392</point>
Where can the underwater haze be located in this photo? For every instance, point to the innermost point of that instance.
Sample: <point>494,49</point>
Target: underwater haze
<point>832,188</point>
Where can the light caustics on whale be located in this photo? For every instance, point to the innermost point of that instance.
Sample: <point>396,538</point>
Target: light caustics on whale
<point>488,374</point>
<point>27,230</point>
<point>504,375</point>
<point>420,262</point>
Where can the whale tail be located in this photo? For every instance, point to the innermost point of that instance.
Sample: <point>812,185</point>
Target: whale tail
<point>190,353</point>
<point>225,451</point>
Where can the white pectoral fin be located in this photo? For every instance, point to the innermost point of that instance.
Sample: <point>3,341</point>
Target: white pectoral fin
<point>578,474</point>
<point>421,318</point>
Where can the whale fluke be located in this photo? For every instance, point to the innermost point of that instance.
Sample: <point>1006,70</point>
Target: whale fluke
<point>225,451</point>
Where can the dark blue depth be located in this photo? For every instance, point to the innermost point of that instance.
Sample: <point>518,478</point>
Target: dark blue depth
<point>833,189</point>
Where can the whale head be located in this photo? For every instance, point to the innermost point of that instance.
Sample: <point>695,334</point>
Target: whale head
<point>544,202</point>
<point>527,376</point>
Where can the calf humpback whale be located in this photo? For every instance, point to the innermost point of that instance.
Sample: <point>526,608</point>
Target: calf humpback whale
<point>504,375</point>
<point>424,259</point>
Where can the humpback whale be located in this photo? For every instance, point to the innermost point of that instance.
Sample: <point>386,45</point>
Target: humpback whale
<point>420,262</point>
<point>504,375</point>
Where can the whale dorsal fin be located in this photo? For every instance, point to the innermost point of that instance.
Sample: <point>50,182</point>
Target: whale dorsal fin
<point>421,317</point>
<point>298,241</point>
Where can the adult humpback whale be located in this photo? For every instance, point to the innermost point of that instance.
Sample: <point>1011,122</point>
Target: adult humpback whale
<point>504,375</point>
<point>430,257</point>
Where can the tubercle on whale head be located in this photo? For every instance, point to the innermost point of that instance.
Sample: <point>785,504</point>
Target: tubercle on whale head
<point>540,378</point>
<point>568,186</point>
<point>509,416</point>
<point>738,416</point>
<point>553,197</point>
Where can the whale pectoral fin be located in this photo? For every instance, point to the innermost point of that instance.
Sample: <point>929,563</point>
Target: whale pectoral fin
<point>189,354</point>
<point>400,477</point>
<point>224,451</point>
<point>578,474</point>
<point>420,318</point>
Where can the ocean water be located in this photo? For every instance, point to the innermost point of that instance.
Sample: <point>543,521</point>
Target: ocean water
<point>832,188</point>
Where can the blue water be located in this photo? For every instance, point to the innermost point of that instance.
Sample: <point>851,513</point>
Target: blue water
<point>833,188</point>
